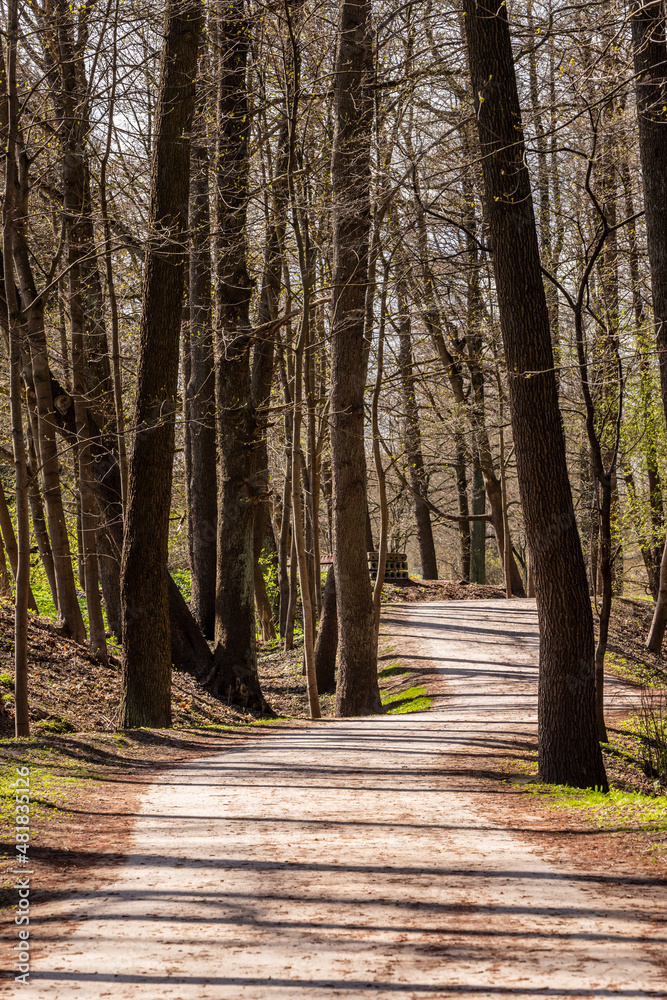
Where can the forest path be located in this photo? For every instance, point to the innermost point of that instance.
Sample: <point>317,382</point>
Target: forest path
<point>357,857</point>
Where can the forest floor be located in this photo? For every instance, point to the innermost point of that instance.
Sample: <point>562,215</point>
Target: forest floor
<point>408,856</point>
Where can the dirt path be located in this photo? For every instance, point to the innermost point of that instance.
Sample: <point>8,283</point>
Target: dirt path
<point>352,857</point>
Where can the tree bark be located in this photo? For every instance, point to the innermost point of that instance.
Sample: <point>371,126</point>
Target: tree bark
<point>413,440</point>
<point>464,509</point>
<point>73,177</point>
<point>146,695</point>
<point>357,689</point>
<point>22,573</point>
<point>41,384</point>
<point>569,752</point>
<point>39,520</point>
<point>234,675</point>
<point>11,545</point>
<point>200,430</point>
<point>478,528</point>
<point>650,63</point>
<point>326,645</point>
<point>262,371</point>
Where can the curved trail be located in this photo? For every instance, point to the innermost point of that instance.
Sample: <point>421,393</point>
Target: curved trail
<point>352,857</point>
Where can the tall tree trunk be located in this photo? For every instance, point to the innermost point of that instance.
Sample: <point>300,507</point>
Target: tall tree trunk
<point>98,416</point>
<point>73,176</point>
<point>262,371</point>
<point>200,430</point>
<point>357,690</point>
<point>297,524</point>
<point>650,61</point>
<point>40,377</point>
<point>146,695</point>
<point>380,471</point>
<point>478,528</point>
<point>22,573</point>
<point>569,752</point>
<point>413,440</point>
<point>234,675</point>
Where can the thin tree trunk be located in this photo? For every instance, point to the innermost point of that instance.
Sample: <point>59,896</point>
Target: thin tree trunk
<point>11,545</point>
<point>39,520</point>
<point>200,390</point>
<point>464,509</point>
<point>111,290</point>
<point>68,605</point>
<point>297,523</point>
<point>605,608</point>
<point>569,752</point>
<point>357,689</point>
<point>146,695</point>
<point>5,582</point>
<point>503,487</point>
<point>293,595</point>
<point>413,440</point>
<point>377,457</point>
<point>73,213</point>
<point>478,528</point>
<point>284,549</point>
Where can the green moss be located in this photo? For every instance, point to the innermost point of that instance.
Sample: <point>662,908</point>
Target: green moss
<point>6,680</point>
<point>57,725</point>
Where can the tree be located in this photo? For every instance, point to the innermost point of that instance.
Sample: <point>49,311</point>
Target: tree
<point>569,752</point>
<point>357,691</point>
<point>200,389</point>
<point>234,675</point>
<point>650,63</point>
<point>413,441</point>
<point>146,694</point>
<point>15,318</point>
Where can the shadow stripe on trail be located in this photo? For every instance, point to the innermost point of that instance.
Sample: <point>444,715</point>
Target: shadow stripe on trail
<point>229,864</point>
<point>441,989</point>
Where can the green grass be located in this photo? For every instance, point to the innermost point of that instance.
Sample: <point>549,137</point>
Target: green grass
<point>42,594</point>
<point>636,673</point>
<point>414,699</point>
<point>44,787</point>
<point>182,579</point>
<point>393,670</point>
<point>616,809</point>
